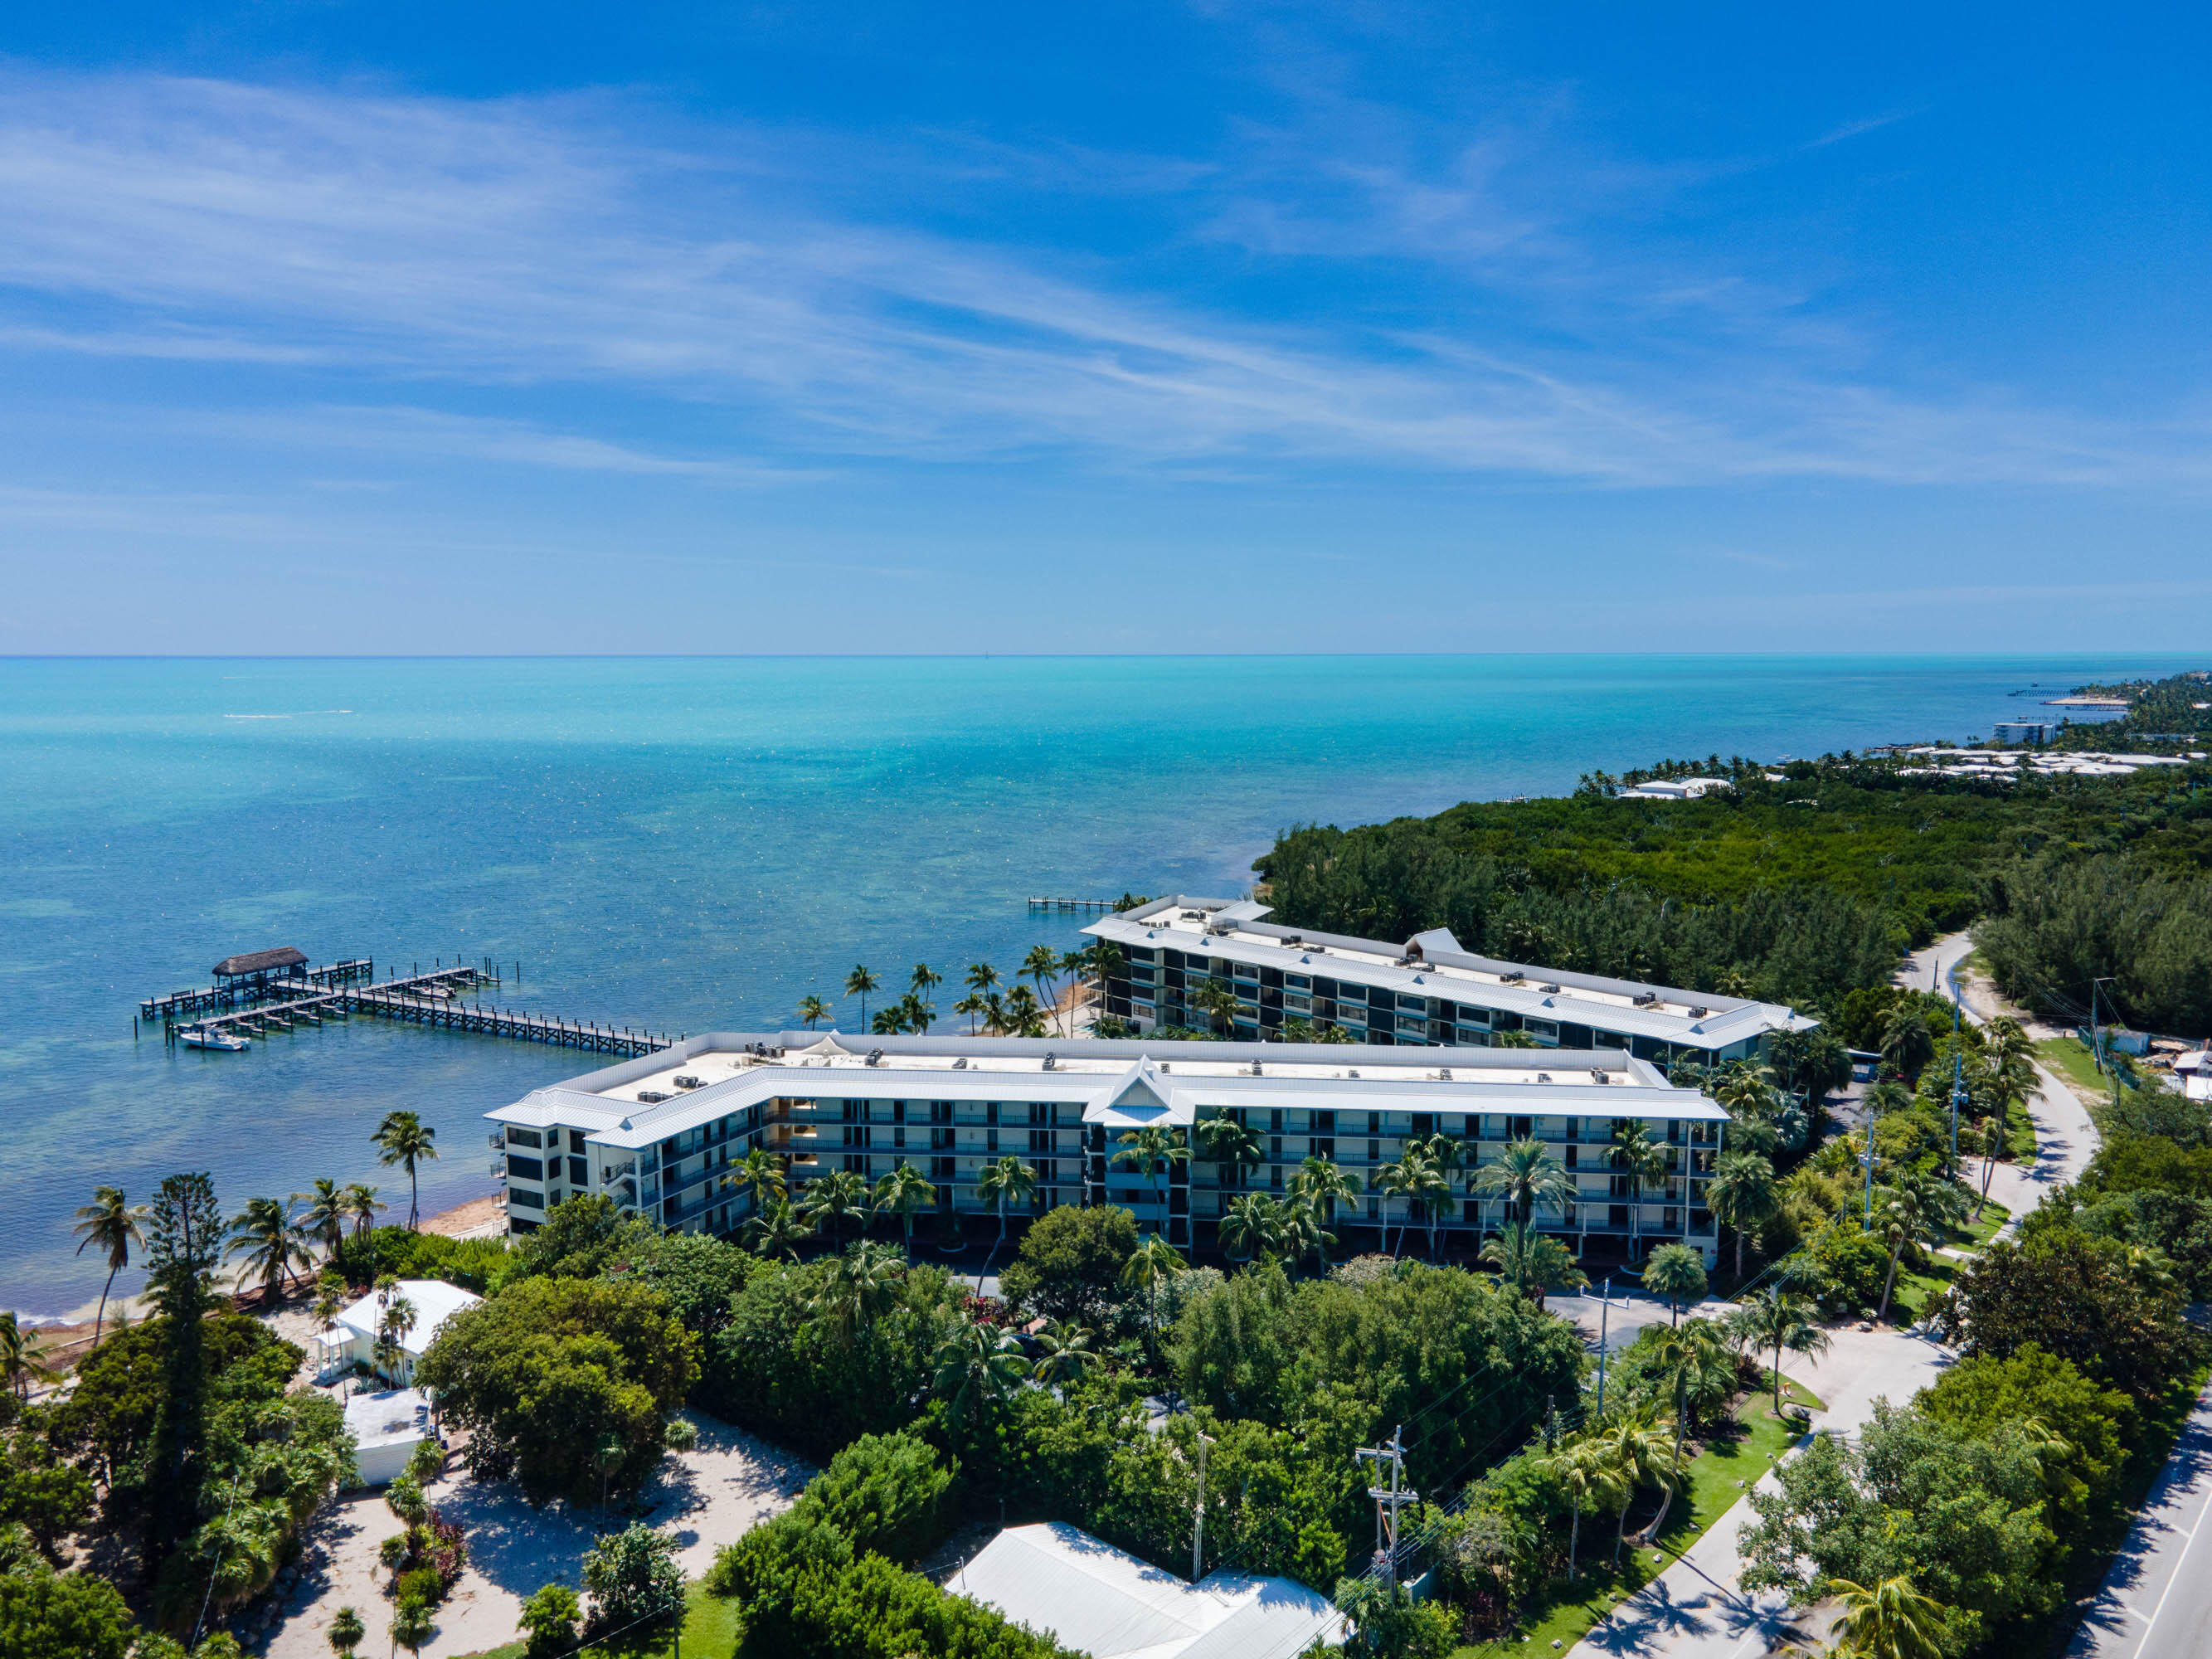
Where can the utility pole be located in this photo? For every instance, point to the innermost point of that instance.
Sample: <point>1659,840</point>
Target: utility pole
<point>1388,1500</point>
<point>1865,1156</point>
<point>1957,1076</point>
<point>1198,1524</point>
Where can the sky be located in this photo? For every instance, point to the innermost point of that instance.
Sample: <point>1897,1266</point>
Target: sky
<point>332,326</point>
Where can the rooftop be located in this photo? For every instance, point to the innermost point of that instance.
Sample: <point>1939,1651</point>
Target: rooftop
<point>433,1300</point>
<point>1093,1598</point>
<point>388,1417</point>
<point>1120,1083</point>
<point>1433,964</point>
<point>262,961</point>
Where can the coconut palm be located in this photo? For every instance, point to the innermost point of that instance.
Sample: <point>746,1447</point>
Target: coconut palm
<point>860,983</point>
<point>977,1367</point>
<point>1591,1479</point>
<point>1905,1044</point>
<point>863,1285</point>
<point>974,1005</point>
<point>20,1364</point>
<point>812,1009</point>
<point>983,978</point>
<point>1153,1150</point>
<point>1232,1147</point>
<point>1744,1193</point>
<point>1004,1180</point>
<point>1901,1220</point>
<point>363,1207</point>
<point>323,1219</point>
<point>776,1229</point>
<point>263,1235</point>
<point>1427,1189</point>
<point>1388,1181</point>
<point>1644,1161</point>
<point>1534,1264</point>
<point>1217,1002</point>
<point>1251,1226</point>
<point>1069,1350</point>
<point>1153,1262</point>
<point>923,980</point>
<point>113,1224</point>
<point>1302,1235</point>
<point>1041,969</point>
<point>1677,1272</point>
<point>412,1627</point>
<point>1324,1184</point>
<point>761,1174</point>
<point>1691,1353</point>
<point>1524,1177</point>
<point>1021,1014</point>
<point>404,1138</point>
<point>1638,1450</point>
<point>1889,1620</point>
<point>903,1192</point>
<point>1778,1318</point>
<point>830,1199</point>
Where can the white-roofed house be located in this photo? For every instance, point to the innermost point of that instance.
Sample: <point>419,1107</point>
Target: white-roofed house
<point>350,1338</point>
<point>387,1425</point>
<point>1089,1597</point>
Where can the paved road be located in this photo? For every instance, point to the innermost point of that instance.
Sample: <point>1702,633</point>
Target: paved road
<point>2156,1603</point>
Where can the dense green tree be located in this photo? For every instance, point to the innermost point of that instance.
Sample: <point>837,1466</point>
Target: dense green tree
<point>632,1574</point>
<point>1069,1263</point>
<point>548,1369</point>
<point>48,1498</point>
<point>549,1620</point>
<point>183,1241</point>
<point>70,1615</point>
<point>2073,1297</point>
<point>2079,1431</point>
<point>885,1493</point>
<point>580,1237</point>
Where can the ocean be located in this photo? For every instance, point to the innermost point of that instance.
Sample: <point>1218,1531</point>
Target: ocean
<point>688,843</point>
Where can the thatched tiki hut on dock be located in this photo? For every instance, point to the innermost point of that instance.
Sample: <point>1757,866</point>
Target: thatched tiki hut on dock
<point>256,970</point>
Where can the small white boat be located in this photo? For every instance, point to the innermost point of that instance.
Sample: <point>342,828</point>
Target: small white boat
<point>195,1036</point>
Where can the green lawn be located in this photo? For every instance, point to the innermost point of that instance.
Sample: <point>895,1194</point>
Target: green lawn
<point>2077,1065</point>
<point>1717,1479</point>
<point>710,1631</point>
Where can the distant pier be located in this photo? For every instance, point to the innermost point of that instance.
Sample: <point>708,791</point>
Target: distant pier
<point>1070,904</point>
<point>306,996</point>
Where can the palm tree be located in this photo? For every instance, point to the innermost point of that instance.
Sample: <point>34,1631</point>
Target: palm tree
<point>1388,1181</point>
<point>1041,969</point>
<point>112,1223</point>
<point>20,1364</point>
<point>977,1367</point>
<point>1021,1014</point>
<point>812,1009</point>
<point>1913,1213</point>
<point>1428,1190</point>
<point>1637,1451</point>
<point>983,978</point>
<point>1637,1156</point>
<point>776,1230</point>
<point>903,1191</point>
<point>859,983</point>
<point>1891,1620</point>
<point>973,1005</point>
<point>1778,1318</point>
<point>1524,1177</point>
<point>1905,1044</point>
<point>323,1219</point>
<point>1743,1193</point>
<point>761,1174</point>
<point>1153,1260</point>
<point>404,1138</point>
<point>862,1286</point>
<point>1231,1146</point>
<point>1302,1235</point>
<point>2012,1082</point>
<point>1153,1150</point>
<point>264,1234</point>
<point>890,1022</point>
<point>835,1196</point>
<point>915,1015</point>
<point>412,1627</point>
<point>363,1205</point>
<point>1691,1353</point>
<point>1006,1180</point>
<point>924,980</point>
<point>1317,1189</point>
<point>1678,1274</point>
<point>1217,1002</point>
<point>1251,1226</point>
<point>1069,1350</point>
<point>1591,1480</point>
<point>1533,1263</point>
<point>347,1632</point>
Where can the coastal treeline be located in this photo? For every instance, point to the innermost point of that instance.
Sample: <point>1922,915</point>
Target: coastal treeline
<point>1798,885</point>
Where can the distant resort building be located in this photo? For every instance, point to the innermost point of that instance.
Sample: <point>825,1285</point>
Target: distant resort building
<point>1426,991</point>
<point>661,1134</point>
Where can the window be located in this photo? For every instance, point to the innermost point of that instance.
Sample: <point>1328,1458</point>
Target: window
<point>1544,1030</point>
<point>516,1137</point>
<point>579,1173</point>
<point>1473,1016</point>
<point>576,1140</point>
<point>1296,1003</point>
<point>1040,1140</point>
<point>1297,982</point>
<point>525,1197</point>
<point>1414,1005</point>
<point>529,1169</point>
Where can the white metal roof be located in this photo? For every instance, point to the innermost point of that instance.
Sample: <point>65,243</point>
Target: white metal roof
<point>434,1302</point>
<point>1438,968</point>
<point>388,1417</point>
<point>1089,1597</point>
<point>1124,1083</point>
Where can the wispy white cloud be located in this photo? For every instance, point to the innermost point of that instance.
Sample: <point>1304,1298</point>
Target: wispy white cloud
<point>520,244</point>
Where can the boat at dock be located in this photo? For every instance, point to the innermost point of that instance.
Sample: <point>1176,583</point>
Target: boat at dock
<point>198,1036</point>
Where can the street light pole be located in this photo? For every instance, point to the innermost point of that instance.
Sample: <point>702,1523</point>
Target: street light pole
<point>1604,1308</point>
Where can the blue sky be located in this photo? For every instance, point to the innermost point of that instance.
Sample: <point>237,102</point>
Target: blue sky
<point>341,326</point>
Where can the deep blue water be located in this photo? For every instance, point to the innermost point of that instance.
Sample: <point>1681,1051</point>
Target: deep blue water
<point>689,844</point>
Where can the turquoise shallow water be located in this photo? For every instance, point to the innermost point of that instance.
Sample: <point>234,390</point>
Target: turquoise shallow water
<point>687,843</point>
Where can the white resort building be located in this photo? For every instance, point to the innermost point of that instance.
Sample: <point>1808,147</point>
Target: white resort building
<point>1425,991</point>
<point>661,1134</point>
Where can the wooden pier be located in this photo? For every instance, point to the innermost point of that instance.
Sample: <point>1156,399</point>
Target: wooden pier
<point>439,998</point>
<point>1082,904</point>
<point>211,999</point>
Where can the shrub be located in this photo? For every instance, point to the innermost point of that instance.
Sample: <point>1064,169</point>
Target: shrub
<point>49,1615</point>
<point>631,1574</point>
<point>549,1619</point>
<point>1070,1262</point>
<point>1844,1269</point>
<point>420,1585</point>
<point>885,1493</point>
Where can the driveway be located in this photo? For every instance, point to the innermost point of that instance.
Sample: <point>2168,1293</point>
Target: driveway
<point>707,1497</point>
